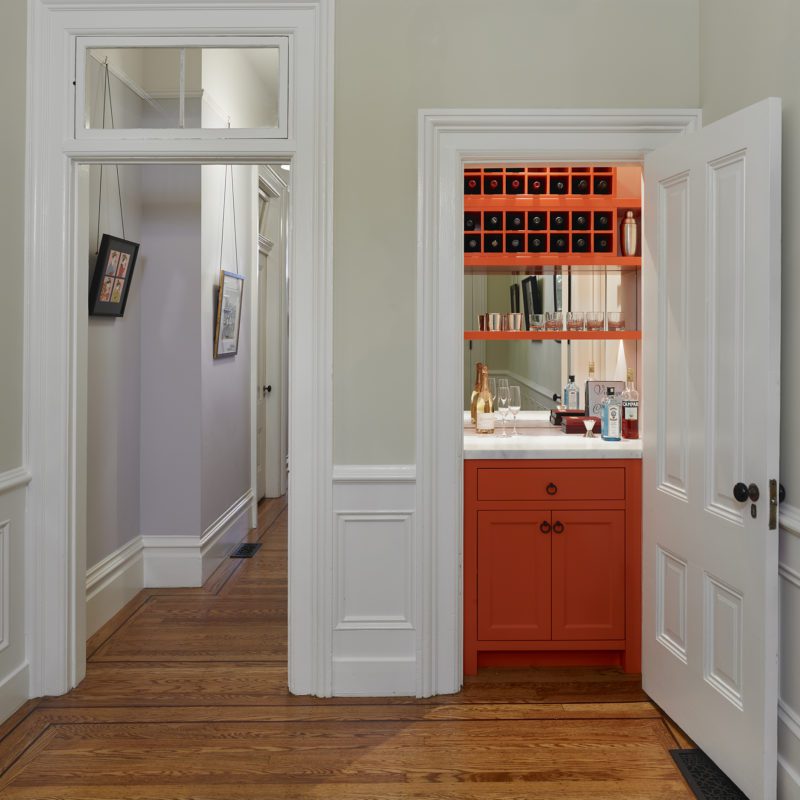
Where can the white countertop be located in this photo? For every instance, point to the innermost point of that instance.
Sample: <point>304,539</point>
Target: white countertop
<point>539,439</point>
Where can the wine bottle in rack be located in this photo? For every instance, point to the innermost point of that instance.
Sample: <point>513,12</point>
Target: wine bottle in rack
<point>492,220</point>
<point>580,220</point>
<point>472,220</point>
<point>515,183</point>
<point>472,184</point>
<point>493,243</point>
<point>515,220</point>
<point>559,243</point>
<point>580,184</point>
<point>537,184</point>
<point>537,242</point>
<point>558,184</point>
<point>602,220</point>
<point>515,243</point>
<point>602,184</point>
<point>602,243</point>
<point>580,242</point>
<point>537,221</point>
<point>493,184</point>
<point>472,243</point>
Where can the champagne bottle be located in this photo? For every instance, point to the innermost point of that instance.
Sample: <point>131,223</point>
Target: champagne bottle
<point>484,410</point>
<point>475,391</point>
<point>630,409</point>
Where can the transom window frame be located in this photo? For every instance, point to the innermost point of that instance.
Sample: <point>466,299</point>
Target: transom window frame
<point>83,44</point>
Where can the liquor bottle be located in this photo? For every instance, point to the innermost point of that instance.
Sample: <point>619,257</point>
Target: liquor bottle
<point>580,184</point>
<point>630,409</point>
<point>571,394</point>
<point>610,417</point>
<point>475,391</point>
<point>536,184</point>
<point>587,396</point>
<point>537,221</point>
<point>515,220</point>
<point>492,220</point>
<point>472,184</point>
<point>580,220</point>
<point>484,410</point>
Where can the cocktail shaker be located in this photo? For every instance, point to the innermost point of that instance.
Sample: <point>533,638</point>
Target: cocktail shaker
<point>630,235</point>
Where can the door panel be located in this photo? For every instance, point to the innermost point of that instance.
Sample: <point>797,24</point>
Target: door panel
<point>589,575</point>
<point>711,341</point>
<point>513,575</point>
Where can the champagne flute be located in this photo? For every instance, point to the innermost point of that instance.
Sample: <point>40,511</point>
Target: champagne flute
<point>502,402</point>
<point>493,393</point>
<point>514,405</point>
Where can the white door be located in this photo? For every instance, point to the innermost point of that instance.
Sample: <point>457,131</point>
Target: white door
<point>711,319</point>
<point>262,388</point>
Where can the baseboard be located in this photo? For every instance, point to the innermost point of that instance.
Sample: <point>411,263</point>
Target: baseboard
<point>788,752</point>
<point>374,677</point>
<point>14,690</point>
<point>113,582</point>
<point>176,561</point>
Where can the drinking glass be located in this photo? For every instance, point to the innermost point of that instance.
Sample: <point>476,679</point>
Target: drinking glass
<point>616,321</point>
<point>575,320</point>
<point>514,405</point>
<point>537,322</point>
<point>493,390</point>
<point>595,320</point>
<point>553,321</point>
<point>502,402</point>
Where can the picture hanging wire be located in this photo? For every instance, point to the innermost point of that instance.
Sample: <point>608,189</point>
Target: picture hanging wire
<point>107,100</point>
<point>233,203</point>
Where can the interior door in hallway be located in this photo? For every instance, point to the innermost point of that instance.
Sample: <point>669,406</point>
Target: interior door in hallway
<point>711,313</point>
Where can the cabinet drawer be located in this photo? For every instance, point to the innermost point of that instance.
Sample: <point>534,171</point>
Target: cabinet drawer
<point>545,483</point>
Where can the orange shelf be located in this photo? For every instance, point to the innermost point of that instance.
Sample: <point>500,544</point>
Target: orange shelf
<point>539,262</point>
<point>495,336</point>
<point>545,202</point>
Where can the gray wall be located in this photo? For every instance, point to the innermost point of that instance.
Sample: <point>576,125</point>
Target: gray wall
<point>396,56</point>
<point>12,180</point>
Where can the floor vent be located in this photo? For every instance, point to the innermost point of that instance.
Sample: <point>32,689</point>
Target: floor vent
<point>246,550</point>
<point>705,778</point>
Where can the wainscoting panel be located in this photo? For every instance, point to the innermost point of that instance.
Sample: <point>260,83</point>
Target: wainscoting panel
<point>789,704</point>
<point>375,581</point>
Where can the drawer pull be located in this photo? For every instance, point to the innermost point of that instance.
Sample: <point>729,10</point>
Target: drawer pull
<point>551,488</point>
<point>558,527</point>
<point>545,527</point>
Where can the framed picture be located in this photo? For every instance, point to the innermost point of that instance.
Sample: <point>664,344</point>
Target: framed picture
<point>514,290</point>
<point>113,273</point>
<point>229,314</point>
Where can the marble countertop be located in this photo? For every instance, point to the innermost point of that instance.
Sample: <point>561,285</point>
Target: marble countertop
<point>539,439</point>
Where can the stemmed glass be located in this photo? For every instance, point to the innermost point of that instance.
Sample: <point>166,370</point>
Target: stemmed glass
<point>502,402</point>
<point>493,390</point>
<point>514,405</point>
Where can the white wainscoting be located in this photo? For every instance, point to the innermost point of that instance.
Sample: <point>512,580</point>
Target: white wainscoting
<point>14,669</point>
<point>789,703</point>
<point>160,562</point>
<point>376,581</point>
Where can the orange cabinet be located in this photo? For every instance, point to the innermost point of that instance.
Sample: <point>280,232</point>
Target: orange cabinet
<point>552,572</point>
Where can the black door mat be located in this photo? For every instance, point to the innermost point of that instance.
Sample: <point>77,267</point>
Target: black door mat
<point>705,778</point>
<point>246,550</point>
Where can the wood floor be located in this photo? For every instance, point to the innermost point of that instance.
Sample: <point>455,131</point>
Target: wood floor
<point>185,697</point>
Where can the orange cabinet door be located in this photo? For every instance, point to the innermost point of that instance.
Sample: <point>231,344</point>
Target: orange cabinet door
<point>514,575</point>
<point>588,575</point>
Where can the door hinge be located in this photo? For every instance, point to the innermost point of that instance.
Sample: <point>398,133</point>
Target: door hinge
<point>773,504</point>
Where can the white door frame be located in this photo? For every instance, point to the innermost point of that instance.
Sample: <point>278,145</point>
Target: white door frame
<point>55,299</point>
<point>447,140</point>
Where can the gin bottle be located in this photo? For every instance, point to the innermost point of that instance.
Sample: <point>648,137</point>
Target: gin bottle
<point>571,394</point>
<point>610,417</point>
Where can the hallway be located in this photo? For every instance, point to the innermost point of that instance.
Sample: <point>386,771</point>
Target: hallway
<point>185,698</point>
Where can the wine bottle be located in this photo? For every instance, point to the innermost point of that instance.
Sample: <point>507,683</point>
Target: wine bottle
<point>559,220</point>
<point>587,396</point>
<point>472,243</point>
<point>472,184</point>
<point>558,243</point>
<point>493,243</point>
<point>537,220</point>
<point>492,184</point>
<point>602,243</point>
<point>536,184</point>
<point>515,243</point>
<point>580,243</point>
<point>602,184</point>
<point>492,220</point>
<point>472,220</point>
<point>610,417</point>
<point>580,184</point>
<point>580,220</point>
<point>514,184</point>
<point>537,243</point>
<point>484,409</point>
<point>630,409</point>
<point>475,391</point>
<point>558,184</point>
<point>515,220</point>
<point>602,220</point>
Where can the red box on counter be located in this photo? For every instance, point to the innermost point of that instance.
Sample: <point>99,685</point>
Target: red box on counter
<point>575,424</point>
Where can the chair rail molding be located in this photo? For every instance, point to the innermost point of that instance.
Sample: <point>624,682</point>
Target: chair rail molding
<point>447,140</point>
<point>55,302</point>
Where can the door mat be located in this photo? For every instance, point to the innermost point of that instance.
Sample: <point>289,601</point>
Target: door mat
<point>705,778</point>
<point>246,550</point>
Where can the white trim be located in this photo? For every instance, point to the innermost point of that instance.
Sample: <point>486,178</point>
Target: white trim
<point>789,518</point>
<point>172,562</point>
<point>373,677</point>
<point>13,479</point>
<point>790,720</point>
<point>5,586</point>
<point>55,302</point>
<point>789,717</point>
<point>14,690</point>
<point>789,574</point>
<point>113,582</point>
<point>374,473</point>
<point>447,139</point>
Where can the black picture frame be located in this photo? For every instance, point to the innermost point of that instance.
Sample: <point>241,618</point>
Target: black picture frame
<point>113,274</point>
<point>514,292</point>
<point>529,292</point>
<point>230,298</point>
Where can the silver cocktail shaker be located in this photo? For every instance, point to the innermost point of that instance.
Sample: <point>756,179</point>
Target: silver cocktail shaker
<point>630,235</point>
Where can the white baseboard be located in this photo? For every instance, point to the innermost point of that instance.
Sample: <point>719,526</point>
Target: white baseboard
<point>113,582</point>
<point>374,677</point>
<point>14,690</point>
<point>788,752</point>
<point>225,533</point>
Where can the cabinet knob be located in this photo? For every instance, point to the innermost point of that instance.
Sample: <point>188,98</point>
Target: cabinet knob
<point>545,527</point>
<point>558,527</point>
<point>551,488</point>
